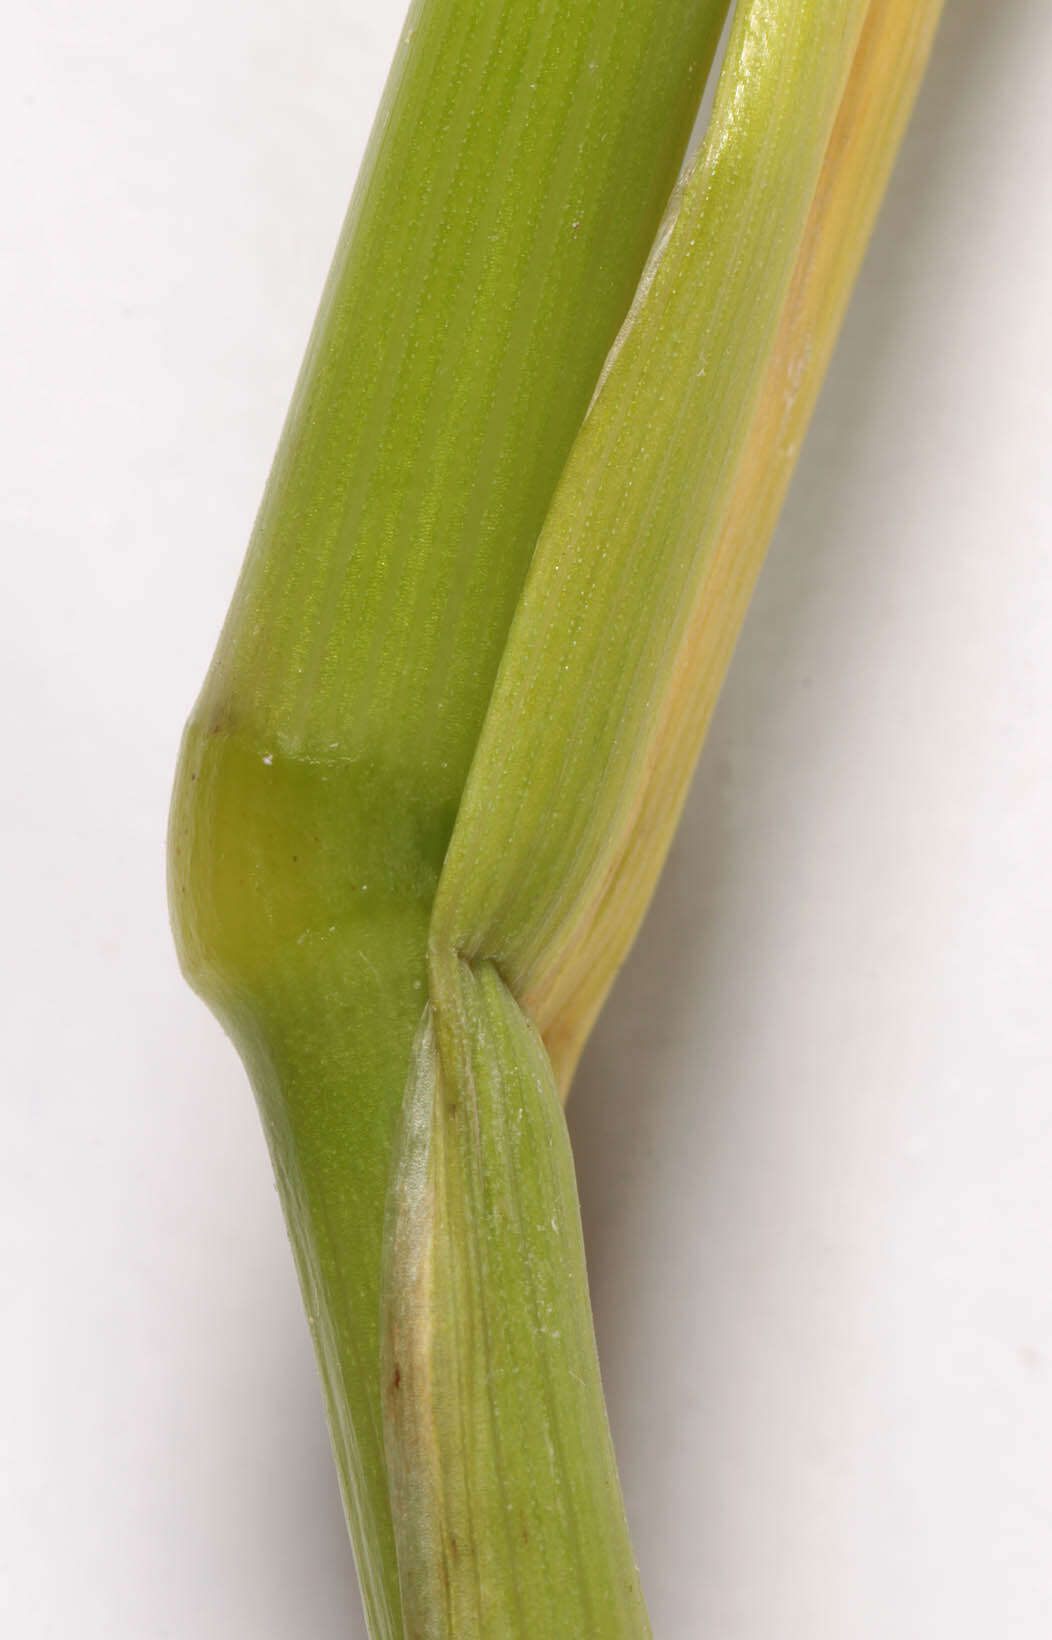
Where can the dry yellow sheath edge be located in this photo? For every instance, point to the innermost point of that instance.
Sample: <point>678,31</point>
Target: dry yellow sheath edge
<point>567,990</point>
<point>630,612</point>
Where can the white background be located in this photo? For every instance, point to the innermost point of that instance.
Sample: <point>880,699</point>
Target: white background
<point>814,1129</point>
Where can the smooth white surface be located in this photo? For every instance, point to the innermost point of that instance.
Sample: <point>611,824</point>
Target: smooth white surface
<point>815,1127</point>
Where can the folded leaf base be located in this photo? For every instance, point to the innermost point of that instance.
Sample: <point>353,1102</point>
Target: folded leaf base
<point>547,417</point>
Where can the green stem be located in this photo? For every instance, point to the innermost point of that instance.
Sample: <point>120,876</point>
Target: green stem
<point>521,160</point>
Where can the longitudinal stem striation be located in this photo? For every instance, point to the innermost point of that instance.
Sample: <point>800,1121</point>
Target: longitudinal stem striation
<point>520,162</point>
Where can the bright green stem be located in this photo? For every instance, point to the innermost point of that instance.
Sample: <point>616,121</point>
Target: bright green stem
<point>507,1502</point>
<point>521,160</point>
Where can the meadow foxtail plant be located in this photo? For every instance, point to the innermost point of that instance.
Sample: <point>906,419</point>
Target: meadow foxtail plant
<point>549,410</point>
